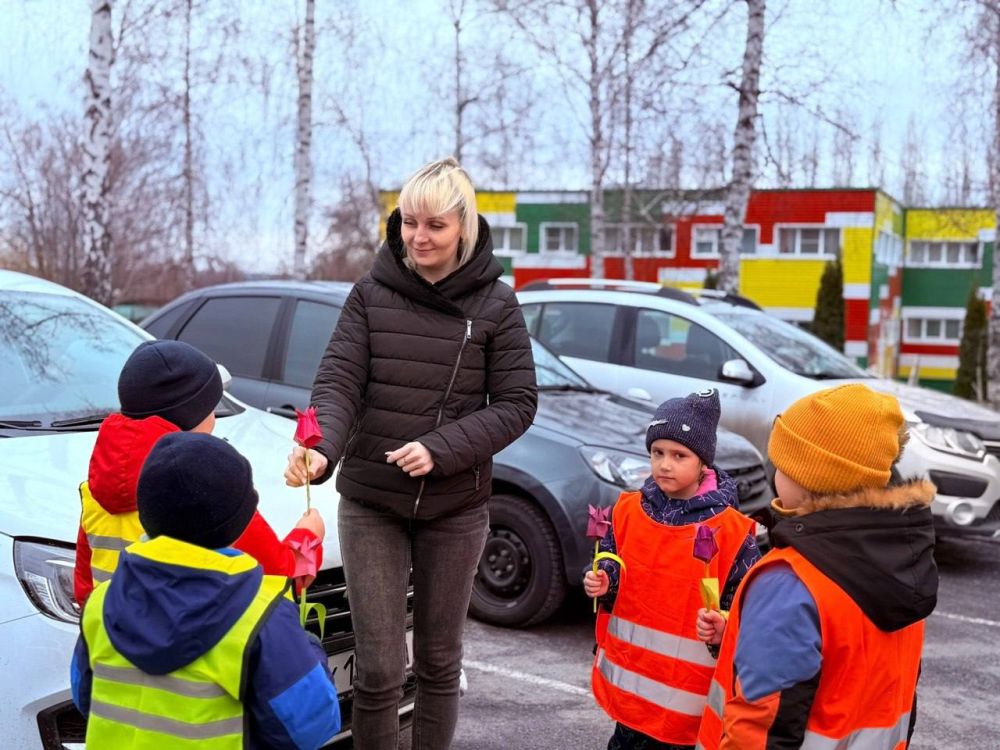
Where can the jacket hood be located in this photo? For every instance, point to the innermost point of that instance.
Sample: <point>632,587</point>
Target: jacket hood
<point>877,544</point>
<point>389,269</point>
<point>121,447</point>
<point>162,616</point>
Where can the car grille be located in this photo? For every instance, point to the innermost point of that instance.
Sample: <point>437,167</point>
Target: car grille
<point>330,590</point>
<point>751,486</point>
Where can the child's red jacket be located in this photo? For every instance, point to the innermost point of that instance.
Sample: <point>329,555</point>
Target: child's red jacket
<point>122,446</point>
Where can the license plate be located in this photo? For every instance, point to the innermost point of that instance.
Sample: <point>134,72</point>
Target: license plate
<point>342,665</point>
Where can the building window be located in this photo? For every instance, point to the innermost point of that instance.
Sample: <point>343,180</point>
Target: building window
<point>809,241</point>
<point>934,330</point>
<point>559,238</point>
<point>644,239</point>
<point>509,240</point>
<point>707,241</point>
<point>943,254</point>
<point>889,250</point>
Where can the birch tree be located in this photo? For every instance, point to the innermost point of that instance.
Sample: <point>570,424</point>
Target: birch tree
<point>97,156</point>
<point>992,16</point>
<point>744,139</point>
<point>305,47</point>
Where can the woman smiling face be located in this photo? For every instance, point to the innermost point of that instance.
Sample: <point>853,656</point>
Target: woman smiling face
<point>431,242</point>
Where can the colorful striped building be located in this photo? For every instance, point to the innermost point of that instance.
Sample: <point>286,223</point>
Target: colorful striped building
<point>907,272</point>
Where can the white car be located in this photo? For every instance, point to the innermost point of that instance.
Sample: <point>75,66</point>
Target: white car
<point>652,342</point>
<point>60,355</point>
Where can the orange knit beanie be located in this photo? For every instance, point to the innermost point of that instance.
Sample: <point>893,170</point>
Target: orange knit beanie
<point>837,440</point>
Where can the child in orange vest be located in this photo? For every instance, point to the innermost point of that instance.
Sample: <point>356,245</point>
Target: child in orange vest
<point>651,674</point>
<point>164,387</point>
<point>850,578</point>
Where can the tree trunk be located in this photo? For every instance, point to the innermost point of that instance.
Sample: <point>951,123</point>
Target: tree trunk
<point>303,138</point>
<point>97,283</point>
<point>596,145</point>
<point>187,268</point>
<point>993,347</point>
<point>744,138</point>
<point>626,218</point>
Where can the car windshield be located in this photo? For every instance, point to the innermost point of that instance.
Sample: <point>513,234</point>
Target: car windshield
<point>552,372</point>
<point>59,359</point>
<point>791,347</point>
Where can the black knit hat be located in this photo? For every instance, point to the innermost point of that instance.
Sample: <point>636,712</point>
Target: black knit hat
<point>196,488</point>
<point>691,421</point>
<point>169,379</point>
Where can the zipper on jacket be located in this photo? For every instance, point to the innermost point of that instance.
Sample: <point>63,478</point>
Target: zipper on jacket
<point>440,412</point>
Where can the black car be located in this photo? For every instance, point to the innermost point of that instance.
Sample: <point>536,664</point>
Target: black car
<point>585,446</point>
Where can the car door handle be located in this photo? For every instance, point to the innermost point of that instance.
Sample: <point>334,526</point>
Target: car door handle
<point>283,411</point>
<point>639,393</point>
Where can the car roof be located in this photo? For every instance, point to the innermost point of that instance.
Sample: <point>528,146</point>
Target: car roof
<point>14,281</point>
<point>625,292</point>
<point>318,289</point>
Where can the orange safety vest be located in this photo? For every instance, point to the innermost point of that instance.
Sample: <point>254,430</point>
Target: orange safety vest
<point>651,673</point>
<point>866,684</point>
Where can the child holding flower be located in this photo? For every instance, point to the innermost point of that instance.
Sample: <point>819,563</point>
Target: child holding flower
<point>651,674</point>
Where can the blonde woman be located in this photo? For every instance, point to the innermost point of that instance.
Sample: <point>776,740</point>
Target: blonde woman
<point>427,375</point>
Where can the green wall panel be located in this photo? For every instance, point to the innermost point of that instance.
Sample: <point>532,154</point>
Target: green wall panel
<point>534,214</point>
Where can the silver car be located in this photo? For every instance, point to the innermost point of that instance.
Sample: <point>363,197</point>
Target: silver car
<point>652,342</point>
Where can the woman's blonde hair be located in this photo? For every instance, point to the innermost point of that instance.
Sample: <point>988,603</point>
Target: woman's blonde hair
<point>439,188</point>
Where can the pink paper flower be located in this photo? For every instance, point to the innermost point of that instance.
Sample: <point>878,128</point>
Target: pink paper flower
<point>307,431</point>
<point>307,560</point>
<point>598,521</point>
<point>705,547</point>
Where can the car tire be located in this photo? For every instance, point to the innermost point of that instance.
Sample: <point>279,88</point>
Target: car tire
<point>520,580</point>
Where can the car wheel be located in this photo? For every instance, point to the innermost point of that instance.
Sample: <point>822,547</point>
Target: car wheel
<point>520,579</point>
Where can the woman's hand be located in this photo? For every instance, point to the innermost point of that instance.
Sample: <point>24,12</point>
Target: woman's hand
<point>596,584</point>
<point>710,626</point>
<point>413,458</point>
<point>295,472</point>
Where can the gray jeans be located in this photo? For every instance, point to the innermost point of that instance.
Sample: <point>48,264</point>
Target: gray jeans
<point>378,550</point>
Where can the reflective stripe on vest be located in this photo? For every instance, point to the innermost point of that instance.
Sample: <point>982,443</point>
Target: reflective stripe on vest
<point>107,534</point>
<point>867,681</point>
<point>664,696</point>
<point>198,705</point>
<point>650,672</point>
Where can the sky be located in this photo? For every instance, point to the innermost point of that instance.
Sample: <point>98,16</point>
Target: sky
<point>880,61</point>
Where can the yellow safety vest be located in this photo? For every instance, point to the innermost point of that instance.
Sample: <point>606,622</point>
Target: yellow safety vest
<point>107,534</point>
<point>199,705</point>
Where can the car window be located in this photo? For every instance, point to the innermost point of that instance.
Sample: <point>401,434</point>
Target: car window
<point>670,343</point>
<point>162,325</point>
<point>312,324</point>
<point>531,315</point>
<point>578,329</point>
<point>793,348</point>
<point>234,331</point>
<point>59,357</point>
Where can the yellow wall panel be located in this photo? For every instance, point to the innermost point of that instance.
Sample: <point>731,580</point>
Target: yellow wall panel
<point>496,203</point>
<point>856,254</point>
<point>781,282</point>
<point>948,223</point>
<point>930,373</point>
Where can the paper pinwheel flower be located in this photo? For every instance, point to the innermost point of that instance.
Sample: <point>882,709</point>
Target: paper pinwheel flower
<point>705,549</point>
<point>307,431</point>
<point>598,522</point>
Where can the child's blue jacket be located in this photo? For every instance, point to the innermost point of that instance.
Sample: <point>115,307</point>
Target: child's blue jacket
<point>162,617</point>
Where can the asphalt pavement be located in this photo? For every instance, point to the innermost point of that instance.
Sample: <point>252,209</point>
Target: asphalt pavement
<point>529,689</point>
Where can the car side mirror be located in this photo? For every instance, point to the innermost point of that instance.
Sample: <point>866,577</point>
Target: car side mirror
<point>639,393</point>
<point>737,370</point>
<point>227,379</point>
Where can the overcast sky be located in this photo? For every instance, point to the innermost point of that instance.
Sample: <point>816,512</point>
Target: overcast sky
<point>884,62</point>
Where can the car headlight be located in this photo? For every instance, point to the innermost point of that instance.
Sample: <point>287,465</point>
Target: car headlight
<point>46,573</point>
<point>950,440</point>
<point>627,470</point>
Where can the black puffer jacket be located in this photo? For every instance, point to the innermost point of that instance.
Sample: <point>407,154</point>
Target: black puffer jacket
<point>447,364</point>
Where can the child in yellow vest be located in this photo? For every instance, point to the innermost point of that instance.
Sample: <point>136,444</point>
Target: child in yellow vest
<point>190,644</point>
<point>651,674</point>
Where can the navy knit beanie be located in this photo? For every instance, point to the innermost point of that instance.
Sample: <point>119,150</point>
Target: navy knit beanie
<point>691,421</point>
<point>169,379</point>
<point>196,488</point>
